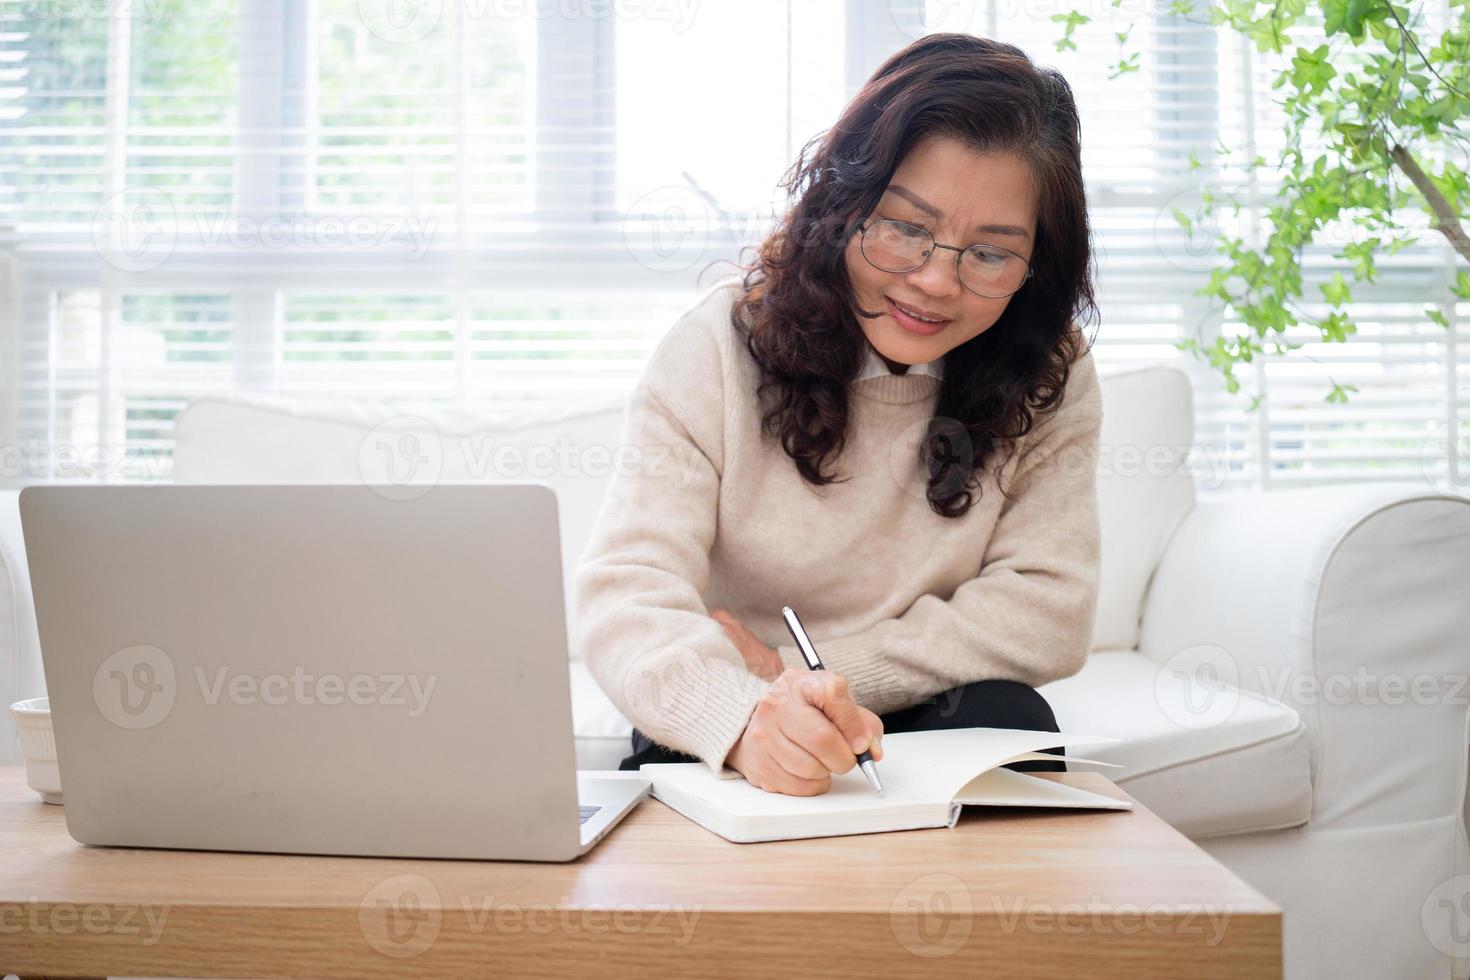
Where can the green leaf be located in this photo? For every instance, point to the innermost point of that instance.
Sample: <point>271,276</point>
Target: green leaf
<point>1334,16</point>
<point>1336,291</point>
<point>1356,11</point>
<point>1435,315</point>
<point>1130,63</point>
<point>1461,288</point>
<point>1361,255</point>
<point>1338,394</point>
<point>1336,327</point>
<point>1311,70</point>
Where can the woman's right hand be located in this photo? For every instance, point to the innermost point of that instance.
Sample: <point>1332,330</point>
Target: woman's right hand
<point>805,728</point>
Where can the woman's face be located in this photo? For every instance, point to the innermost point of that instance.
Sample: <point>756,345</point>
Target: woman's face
<point>961,197</point>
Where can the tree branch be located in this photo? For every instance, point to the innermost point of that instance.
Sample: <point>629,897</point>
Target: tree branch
<point>1446,221</point>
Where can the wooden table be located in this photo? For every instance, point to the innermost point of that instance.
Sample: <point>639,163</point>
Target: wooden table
<point>1015,894</point>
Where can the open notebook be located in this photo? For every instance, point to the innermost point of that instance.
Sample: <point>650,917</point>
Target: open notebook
<point>927,778</point>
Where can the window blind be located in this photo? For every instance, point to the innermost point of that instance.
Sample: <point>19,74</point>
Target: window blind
<point>495,205</point>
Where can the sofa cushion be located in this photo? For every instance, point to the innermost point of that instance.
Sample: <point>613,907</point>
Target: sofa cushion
<point>601,730</point>
<point>1246,768</point>
<point>20,652</point>
<point>272,439</point>
<point>1143,488</point>
<point>1209,761</point>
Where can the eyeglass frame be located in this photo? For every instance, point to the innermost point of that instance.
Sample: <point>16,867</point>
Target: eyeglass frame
<point>862,239</point>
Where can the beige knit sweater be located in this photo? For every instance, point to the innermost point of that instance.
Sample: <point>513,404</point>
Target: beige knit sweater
<point>706,513</point>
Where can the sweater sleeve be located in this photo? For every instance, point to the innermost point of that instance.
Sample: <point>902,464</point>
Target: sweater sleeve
<point>1028,615</point>
<point>642,626</point>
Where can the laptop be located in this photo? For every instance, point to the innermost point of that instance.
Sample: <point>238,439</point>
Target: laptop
<point>314,669</point>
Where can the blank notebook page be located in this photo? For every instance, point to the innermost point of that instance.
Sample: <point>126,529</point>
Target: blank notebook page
<point>919,769</point>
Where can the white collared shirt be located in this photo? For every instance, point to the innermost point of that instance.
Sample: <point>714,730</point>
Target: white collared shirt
<point>874,367</point>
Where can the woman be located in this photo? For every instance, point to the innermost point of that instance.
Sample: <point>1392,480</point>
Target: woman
<point>890,423</point>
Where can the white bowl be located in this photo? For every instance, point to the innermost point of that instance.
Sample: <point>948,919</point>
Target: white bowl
<point>38,745</point>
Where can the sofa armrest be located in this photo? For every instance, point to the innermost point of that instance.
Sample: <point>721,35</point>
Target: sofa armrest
<point>20,650</point>
<point>1347,603</point>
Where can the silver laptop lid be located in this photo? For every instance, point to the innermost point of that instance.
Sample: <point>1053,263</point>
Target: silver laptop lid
<point>317,669</point>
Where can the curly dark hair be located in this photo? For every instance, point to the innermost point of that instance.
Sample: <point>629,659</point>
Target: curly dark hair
<point>796,309</point>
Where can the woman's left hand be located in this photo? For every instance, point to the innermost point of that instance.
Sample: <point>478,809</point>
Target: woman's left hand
<point>760,659</point>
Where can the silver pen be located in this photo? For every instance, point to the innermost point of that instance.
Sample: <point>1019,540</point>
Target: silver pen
<point>809,654</point>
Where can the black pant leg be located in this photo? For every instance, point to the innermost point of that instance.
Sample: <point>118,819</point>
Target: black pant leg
<point>646,749</point>
<point>983,704</point>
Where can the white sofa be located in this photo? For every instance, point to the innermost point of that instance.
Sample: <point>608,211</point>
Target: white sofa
<point>1247,648</point>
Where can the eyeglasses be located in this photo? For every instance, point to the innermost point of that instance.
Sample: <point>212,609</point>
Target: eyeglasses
<point>985,269</point>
